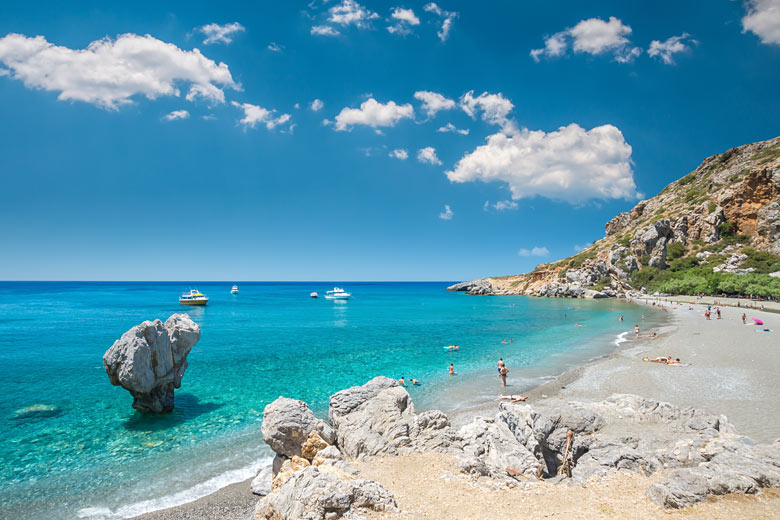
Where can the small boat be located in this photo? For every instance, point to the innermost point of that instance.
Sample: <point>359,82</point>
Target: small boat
<point>314,295</point>
<point>234,289</point>
<point>194,297</point>
<point>337,294</point>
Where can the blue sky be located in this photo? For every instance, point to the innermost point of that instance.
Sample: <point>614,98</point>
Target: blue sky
<point>129,155</point>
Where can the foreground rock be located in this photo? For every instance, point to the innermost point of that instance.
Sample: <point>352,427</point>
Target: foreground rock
<point>311,494</point>
<point>699,454</point>
<point>378,418</point>
<point>149,361</point>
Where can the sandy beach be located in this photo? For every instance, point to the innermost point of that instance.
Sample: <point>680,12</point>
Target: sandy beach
<point>727,368</point>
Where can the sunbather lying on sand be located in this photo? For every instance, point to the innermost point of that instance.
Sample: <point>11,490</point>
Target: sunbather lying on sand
<point>666,360</point>
<point>653,335</point>
<point>513,398</point>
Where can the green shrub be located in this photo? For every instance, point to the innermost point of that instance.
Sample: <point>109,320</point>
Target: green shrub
<point>727,229</point>
<point>711,207</point>
<point>762,261</point>
<point>674,250</point>
<point>687,179</point>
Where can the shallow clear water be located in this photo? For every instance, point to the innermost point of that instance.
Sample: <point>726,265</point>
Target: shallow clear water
<point>81,450</point>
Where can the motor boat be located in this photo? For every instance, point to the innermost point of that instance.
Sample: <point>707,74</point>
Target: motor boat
<point>194,297</point>
<point>314,295</point>
<point>337,294</point>
<point>234,289</point>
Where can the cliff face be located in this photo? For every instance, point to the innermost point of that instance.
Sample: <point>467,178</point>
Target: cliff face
<point>731,199</point>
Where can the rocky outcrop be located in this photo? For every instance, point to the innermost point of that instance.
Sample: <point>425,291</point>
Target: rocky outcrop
<point>699,454</point>
<point>311,494</point>
<point>482,287</point>
<point>733,193</point>
<point>149,361</point>
<point>378,418</point>
<point>287,425</point>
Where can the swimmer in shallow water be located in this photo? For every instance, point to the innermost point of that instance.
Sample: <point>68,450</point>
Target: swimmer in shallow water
<point>402,382</point>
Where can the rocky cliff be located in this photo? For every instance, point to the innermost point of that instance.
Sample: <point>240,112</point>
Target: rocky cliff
<point>731,201</point>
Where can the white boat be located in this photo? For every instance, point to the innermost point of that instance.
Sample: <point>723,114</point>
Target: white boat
<point>314,295</point>
<point>337,294</point>
<point>234,289</point>
<point>194,297</point>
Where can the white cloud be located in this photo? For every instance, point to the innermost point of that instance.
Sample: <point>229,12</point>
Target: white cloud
<point>374,114</point>
<point>108,73</point>
<point>349,12</point>
<point>177,114</point>
<point>763,20</point>
<point>447,214</point>
<point>570,164</point>
<point>209,117</point>
<point>433,102</point>
<point>428,155</point>
<point>666,49</point>
<point>501,205</point>
<point>405,19</point>
<point>494,108</point>
<point>592,36</point>
<point>275,47</point>
<point>449,127</point>
<point>535,251</point>
<point>447,19</point>
<point>317,105</point>
<point>582,247</point>
<point>254,114</point>
<point>216,33</point>
<point>324,30</point>
<point>399,153</point>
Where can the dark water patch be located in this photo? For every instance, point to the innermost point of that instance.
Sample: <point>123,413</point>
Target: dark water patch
<point>186,408</point>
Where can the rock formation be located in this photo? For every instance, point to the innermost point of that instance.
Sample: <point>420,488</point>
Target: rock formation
<point>378,417</point>
<point>736,192</point>
<point>149,361</point>
<point>698,454</point>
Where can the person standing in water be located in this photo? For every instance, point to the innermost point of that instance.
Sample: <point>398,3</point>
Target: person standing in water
<point>500,365</point>
<point>502,372</point>
<point>452,369</point>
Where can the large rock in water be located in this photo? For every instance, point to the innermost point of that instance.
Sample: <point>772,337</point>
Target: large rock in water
<point>149,361</point>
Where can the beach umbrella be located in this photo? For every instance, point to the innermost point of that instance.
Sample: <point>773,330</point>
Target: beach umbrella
<point>758,322</point>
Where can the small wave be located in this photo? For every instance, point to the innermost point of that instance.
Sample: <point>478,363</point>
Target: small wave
<point>176,499</point>
<point>621,338</point>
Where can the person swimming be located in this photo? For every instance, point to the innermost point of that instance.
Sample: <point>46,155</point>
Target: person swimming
<point>414,381</point>
<point>402,382</point>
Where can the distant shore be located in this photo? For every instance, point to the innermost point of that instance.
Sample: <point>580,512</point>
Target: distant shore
<point>729,368</point>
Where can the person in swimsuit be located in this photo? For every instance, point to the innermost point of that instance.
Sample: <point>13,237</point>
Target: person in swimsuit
<point>414,381</point>
<point>744,319</point>
<point>402,382</point>
<point>513,398</point>
<point>500,364</point>
<point>503,372</point>
<point>452,369</point>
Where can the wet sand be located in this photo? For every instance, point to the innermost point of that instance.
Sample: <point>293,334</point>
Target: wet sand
<point>729,369</point>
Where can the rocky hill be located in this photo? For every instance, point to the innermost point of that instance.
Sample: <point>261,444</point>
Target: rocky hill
<point>722,219</point>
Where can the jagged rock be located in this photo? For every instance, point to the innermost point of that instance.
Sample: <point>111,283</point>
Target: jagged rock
<point>745,470</point>
<point>482,286</point>
<point>311,494</point>
<point>261,484</point>
<point>330,453</point>
<point>378,417</point>
<point>489,448</point>
<point>149,361</point>
<point>287,424</point>
<point>313,444</point>
<point>768,226</point>
<point>591,294</point>
<point>288,469</point>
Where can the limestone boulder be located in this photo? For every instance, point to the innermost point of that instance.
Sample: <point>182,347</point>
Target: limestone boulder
<point>287,424</point>
<point>149,361</point>
<point>311,494</point>
<point>378,417</point>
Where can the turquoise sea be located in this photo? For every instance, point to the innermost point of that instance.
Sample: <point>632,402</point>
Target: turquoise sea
<point>74,448</point>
